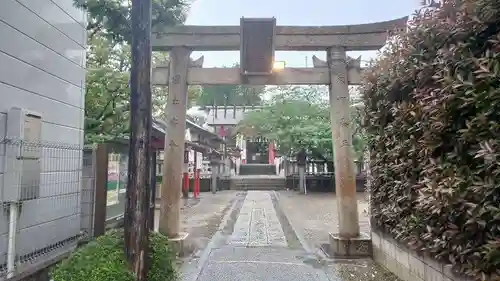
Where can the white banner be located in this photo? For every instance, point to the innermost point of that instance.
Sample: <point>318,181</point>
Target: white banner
<point>199,160</point>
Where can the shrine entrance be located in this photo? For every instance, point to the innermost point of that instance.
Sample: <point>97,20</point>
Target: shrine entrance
<point>257,40</point>
<point>257,151</point>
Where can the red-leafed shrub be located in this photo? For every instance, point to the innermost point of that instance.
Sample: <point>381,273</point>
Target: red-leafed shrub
<point>432,102</point>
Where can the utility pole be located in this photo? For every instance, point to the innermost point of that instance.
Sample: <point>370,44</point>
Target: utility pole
<point>137,207</point>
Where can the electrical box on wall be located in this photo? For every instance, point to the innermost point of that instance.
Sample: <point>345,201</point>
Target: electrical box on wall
<point>22,155</point>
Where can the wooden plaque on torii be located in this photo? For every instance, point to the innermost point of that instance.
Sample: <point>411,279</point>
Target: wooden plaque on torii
<point>257,46</point>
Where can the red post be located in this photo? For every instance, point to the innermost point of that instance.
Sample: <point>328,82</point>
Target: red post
<point>185,187</point>
<point>186,183</point>
<point>196,183</point>
<point>195,175</point>
<point>271,152</point>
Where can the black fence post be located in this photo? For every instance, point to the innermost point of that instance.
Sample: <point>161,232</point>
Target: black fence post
<point>152,201</point>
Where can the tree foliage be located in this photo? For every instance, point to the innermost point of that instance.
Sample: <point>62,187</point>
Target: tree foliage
<point>111,18</point>
<point>107,97</point>
<point>107,92</point>
<point>296,117</point>
<point>432,105</point>
<point>107,109</point>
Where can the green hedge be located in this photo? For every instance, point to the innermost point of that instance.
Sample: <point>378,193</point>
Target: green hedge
<point>104,260</point>
<point>432,105</point>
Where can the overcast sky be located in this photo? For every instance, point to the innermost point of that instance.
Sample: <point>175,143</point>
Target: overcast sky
<point>294,12</point>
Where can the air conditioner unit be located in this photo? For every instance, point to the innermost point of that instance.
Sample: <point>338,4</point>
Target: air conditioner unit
<point>23,149</point>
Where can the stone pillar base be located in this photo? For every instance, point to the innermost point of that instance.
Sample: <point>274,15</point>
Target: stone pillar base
<point>358,247</point>
<point>178,244</point>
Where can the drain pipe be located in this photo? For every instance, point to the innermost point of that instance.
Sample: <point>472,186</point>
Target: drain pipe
<point>11,250</point>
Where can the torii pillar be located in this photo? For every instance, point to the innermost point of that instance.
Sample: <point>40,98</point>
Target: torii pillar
<point>171,186</point>
<point>345,180</point>
<point>348,241</point>
<point>173,161</point>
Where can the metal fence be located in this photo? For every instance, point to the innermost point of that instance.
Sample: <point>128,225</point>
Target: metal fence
<point>54,196</point>
<point>319,175</point>
<point>42,198</point>
<point>316,167</point>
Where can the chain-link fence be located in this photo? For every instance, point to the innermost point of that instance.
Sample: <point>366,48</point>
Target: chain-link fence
<point>46,198</point>
<point>87,198</point>
<point>54,196</point>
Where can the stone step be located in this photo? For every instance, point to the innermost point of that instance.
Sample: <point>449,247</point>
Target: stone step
<point>257,169</point>
<point>257,187</point>
<point>258,183</point>
<point>259,179</point>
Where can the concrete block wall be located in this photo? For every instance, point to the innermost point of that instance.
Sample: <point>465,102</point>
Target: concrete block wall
<point>408,265</point>
<point>42,69</point>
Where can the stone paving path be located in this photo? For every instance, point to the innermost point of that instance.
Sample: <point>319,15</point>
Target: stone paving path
<point>257,242</point>
<point>254,248</point>
<point>258,224</point>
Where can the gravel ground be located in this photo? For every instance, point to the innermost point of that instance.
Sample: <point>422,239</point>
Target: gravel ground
<point>201,218</point>
<point>314,215</point>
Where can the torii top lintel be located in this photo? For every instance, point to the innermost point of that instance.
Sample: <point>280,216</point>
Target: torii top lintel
<point>361,37</point>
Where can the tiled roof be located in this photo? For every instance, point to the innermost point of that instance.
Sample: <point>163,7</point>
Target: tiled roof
<point>160,127</point>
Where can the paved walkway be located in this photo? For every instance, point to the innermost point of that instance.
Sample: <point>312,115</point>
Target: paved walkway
<point>258,224</point>
<point>256,241</point>
<point>252,245</point>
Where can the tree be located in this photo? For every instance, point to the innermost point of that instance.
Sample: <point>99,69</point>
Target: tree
<point>107,109</point>
<point>107,93</point>
<point>297,117</point>
<point>111,18</point>
<point>107,96</point>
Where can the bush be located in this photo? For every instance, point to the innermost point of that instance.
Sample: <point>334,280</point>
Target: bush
<point>432,105</point>
<point>104,260</point>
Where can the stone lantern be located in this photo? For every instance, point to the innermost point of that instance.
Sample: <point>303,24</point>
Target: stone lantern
<point>238,160</point>
<point>214,158</point>
<point>301,158</point>
<point>275,153</point>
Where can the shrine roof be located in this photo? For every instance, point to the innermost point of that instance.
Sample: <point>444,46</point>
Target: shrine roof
<point>160,127</point>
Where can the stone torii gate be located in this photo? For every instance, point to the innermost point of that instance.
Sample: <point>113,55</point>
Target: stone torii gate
<point>257,40</point>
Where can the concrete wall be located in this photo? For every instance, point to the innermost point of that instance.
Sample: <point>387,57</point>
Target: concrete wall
<point>42,69</point>
<point>406,264</point>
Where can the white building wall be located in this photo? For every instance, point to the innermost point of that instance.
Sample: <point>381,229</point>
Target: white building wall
<point>42,69</point>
